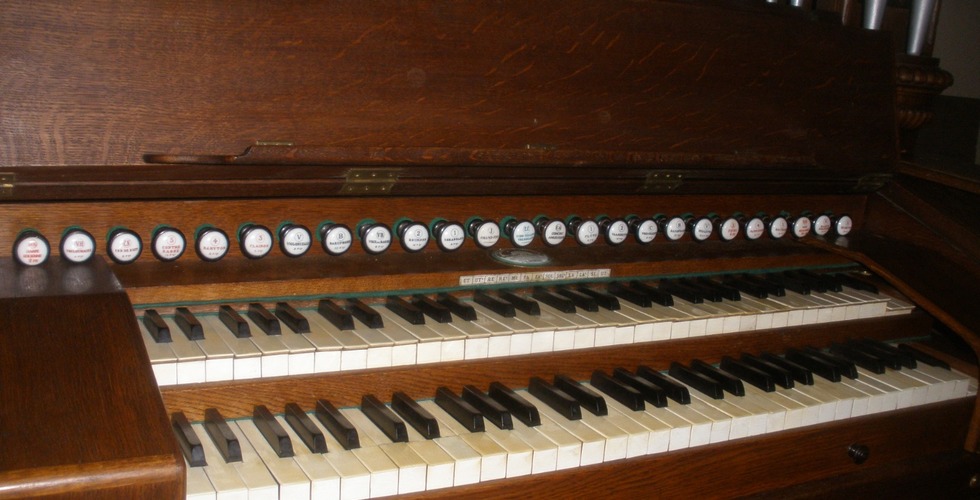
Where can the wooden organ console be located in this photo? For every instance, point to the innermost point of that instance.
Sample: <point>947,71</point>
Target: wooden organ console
<point>174,171</point>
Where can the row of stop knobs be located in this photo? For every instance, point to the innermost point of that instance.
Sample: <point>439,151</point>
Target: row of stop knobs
<point>256,241</point>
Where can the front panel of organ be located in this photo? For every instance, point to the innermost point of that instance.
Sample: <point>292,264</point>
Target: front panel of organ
<point>490,249</point>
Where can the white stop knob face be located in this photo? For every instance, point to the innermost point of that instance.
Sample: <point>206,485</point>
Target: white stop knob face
<point>78,246</point>
<point>415,237</point>
<point>376,239</point>
<point>755,228</point>
<point>212,244</point>
<point>554,232</point>
<point>32,250</point>
<point>702,229</point>
<point>587,232</point>
<point>675,229</point>
<point>523,234</point>
<point>487,234</point>
<point>729,229</point>
<point>821,225</point>
<point>337,239</point>
<point>168,244</point>
<point>256,242</point>
<point>801,227</point>
<point>618,231</point>
<point>125,247</point>
<point>778,227</point>
<point>647,231</point>
<point>296,240</point>
<point>451,237</point>
<point>844,225</point>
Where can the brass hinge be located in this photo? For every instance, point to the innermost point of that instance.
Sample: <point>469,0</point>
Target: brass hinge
<point>7,184</point>
<point>659,182</point>
<point>871,182</point>
<point>370,181</point>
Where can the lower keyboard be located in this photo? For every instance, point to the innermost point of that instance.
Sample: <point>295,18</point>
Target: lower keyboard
<point>458,457</point>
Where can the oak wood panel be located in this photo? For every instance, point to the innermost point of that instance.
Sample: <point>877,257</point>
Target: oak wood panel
<point>78,398</point>
<point>750,466</point>
<point>237,399</point>
<point>103,84</point>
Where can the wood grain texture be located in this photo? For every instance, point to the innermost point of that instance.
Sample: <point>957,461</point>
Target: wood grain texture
<point>78,397</point>
<point>103,84</point>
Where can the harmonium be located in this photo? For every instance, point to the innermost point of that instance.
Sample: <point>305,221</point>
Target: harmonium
<point>561,248</point>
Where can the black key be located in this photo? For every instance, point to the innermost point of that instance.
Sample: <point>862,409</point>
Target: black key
<point>732,385</point>
<point>491,409</point>
<point>224,439</point>
<point>924,357</point>
<point>555,398</point>
<point>234,322</point>
<point>779,376</point>
<point>749,374</point>
<point>819,366</point>
<point>337,424</point>
<point>157,327</point>
<point>827,281</point>
<point>586,397</point>
<point>622,393</point>
<point>304,427</point>
<point>846,367</point>
<point>405,310</point>
<point>264,319</point>
<point>855,283</point>
<point>774,289</point>
<point>887,352</point>
<point>336,315</point>
<point>384,418</point>
<point>267,424</point>
<point>745,286</point>
<point>560,302</point>
<point>457,407</point>
<point>800,373</point>
<point>189,443</point>
<point>709,293</point>
<point>415,415</point>
<point>656,295</point>
<point>726,292</point>
<point>675,391</point>
<point>698,381</point>
<point>458,307</point>
<point>678,290</point>
<point>519,407</point>
<point>579,299</point>
<point>503,308</point>
<point>788,283</point>
<point>629,294</point>
<point>813,283</point>
<point>292,318</point>
<point>438,312</point>
<point>860,358</point>
<point>651,393</point>
<point>604,300</point>
<point>523,304</point>
<point>188,324</point>
<point>365,313</point>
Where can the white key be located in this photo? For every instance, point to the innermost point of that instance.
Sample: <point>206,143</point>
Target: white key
<point>162,359</point>
<point>293,482</point>
<point>247,357</point>
<point>198,485</point>
<point>219,359</point>
<point>299,351</point>
<point>593,443</point>
<point>190,359</point>
<point>224,477</point>
<point>658,433</point>
<point>324,478</point>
